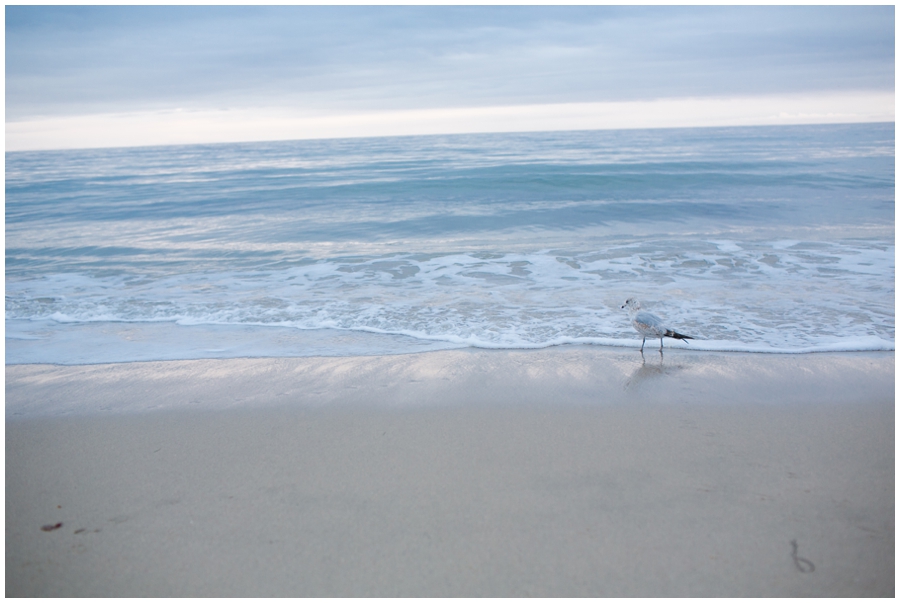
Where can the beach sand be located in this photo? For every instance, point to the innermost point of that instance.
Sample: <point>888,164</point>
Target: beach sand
<point>573,471</point>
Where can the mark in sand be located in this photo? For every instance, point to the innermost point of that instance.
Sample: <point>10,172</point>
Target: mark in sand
<point>803,565</point>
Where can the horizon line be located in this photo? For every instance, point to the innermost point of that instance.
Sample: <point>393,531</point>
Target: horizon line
<point>179,127</point>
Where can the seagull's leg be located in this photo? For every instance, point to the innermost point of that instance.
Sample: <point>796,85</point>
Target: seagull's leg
<point>660,343</point>
<point>642,344</point>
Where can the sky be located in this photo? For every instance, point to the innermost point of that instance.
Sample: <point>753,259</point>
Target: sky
<point>101,76</point>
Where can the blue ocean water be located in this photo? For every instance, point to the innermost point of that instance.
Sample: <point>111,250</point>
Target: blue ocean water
<point>766,239</point>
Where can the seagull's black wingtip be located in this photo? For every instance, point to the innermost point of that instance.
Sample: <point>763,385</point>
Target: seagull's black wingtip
<point>675,335</point>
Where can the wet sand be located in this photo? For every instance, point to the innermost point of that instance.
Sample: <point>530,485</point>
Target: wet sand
<point>573,471</point>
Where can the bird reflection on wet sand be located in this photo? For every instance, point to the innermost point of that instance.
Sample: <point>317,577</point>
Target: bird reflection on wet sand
<point>647,371</point>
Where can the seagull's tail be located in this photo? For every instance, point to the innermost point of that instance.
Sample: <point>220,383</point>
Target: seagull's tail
<point>674,335</point>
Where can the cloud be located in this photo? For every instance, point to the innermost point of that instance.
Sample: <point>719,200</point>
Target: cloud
<point>69,65</point>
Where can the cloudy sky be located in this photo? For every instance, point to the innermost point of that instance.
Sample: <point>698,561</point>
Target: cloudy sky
<point>116,76</point>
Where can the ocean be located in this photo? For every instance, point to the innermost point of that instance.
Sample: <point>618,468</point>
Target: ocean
<point>751,239</point>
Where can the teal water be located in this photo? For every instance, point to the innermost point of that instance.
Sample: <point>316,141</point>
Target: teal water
<point>768,239</point>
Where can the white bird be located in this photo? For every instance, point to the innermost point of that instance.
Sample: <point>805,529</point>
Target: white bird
<point>649,325</point>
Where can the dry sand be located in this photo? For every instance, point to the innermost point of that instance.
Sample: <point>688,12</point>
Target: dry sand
<point>564,472</point>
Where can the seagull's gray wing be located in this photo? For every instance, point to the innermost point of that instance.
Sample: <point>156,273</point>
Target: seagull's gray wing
<point>651,320</point>
<point>649,324</point>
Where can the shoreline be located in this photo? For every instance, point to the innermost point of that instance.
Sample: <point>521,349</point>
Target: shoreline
<point>648,354</point>
<point>44,342</point>
<point>554,472</point>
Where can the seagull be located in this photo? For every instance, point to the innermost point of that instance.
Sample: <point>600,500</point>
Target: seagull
<point>649,325</point>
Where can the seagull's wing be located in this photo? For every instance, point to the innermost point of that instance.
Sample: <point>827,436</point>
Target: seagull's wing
<point>649,324</point>
<point>650,320</point>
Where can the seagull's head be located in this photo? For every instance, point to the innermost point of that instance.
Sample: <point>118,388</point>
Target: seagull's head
<point>632,305</point>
